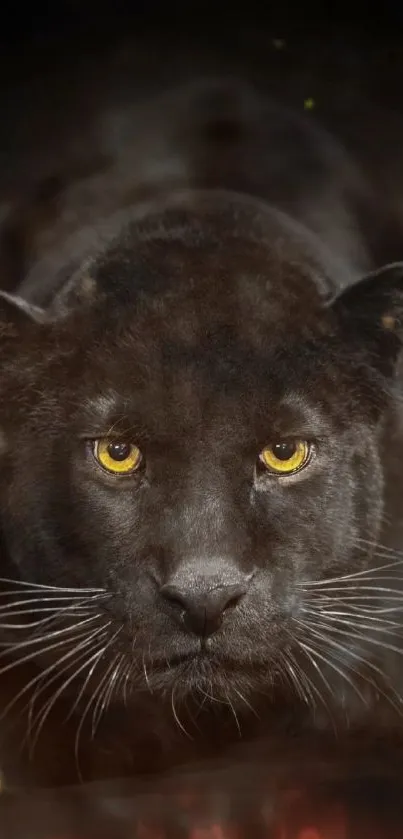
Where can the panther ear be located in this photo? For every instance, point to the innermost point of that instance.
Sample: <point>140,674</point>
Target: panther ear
<point>369,316</point>
<point>15,315</point>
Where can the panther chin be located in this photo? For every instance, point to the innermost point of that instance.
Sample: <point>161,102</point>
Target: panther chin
<point>206,678</point>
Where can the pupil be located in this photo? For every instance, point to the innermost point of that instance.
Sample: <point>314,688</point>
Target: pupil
<point>284,451</point>
<point>119,451</point>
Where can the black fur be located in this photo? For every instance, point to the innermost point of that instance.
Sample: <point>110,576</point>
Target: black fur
<point>203,331</point>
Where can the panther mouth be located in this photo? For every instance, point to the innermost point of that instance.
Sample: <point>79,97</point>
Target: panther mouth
<point>200,655</point>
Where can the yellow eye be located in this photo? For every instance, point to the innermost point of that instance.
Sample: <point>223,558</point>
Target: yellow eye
<point>117,456</point>
<point>286,457</point>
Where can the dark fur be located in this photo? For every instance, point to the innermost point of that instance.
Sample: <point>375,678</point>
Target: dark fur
<point>202,329</point>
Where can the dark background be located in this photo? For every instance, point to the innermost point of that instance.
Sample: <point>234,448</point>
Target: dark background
<point>44,23</point>
<point>65,64</point>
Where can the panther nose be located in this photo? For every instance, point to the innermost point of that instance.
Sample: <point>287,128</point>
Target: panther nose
<point>203,613</point>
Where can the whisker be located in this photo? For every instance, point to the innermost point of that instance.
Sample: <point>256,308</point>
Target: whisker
<point>394,559</point>
<point>334,666</point>
<point>86,682</point>
<point>52,595</point>
<point>375,578</point>
<point>393,698</point>
<point>347,619</point>
<point>11,611</point>
<point>380,551</point>
<point>375,641</point>
<point>175,715</point>
<point>211,698</point>
<point>377,589</point>
<point>40,586</point>
<point>46,600</point>
<point>124,689</point>
<point>191,716</point>
<point>352,576</point>
<point>102,702</point>
<point>369,600</point>
<point>350,593</point>
<point>42,717</point>
<point>146,674</point>
<point>290,663</point>
<point>374,610</point>
<point>46,649</point>
<point>84,637</point>
<point>120,681</point>
<point>245,701</point>
<point>67,611</point>
<point>312,685</point>
<point>43,682</point>
<point>29,626</point>
<point>55,633</point>
<point>378,545</point>
<point>328,641</point>
<point>87,708</point>
<point>292,677</point>
<point>234,714</point>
